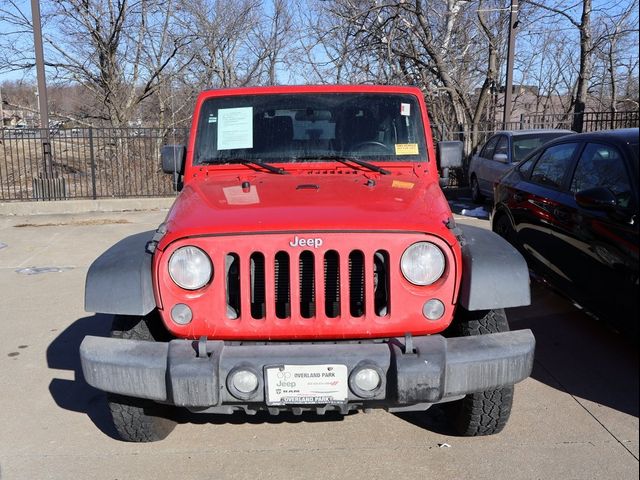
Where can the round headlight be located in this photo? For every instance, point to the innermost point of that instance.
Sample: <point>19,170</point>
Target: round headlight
<point>190,268</point>
<point>422,263</point>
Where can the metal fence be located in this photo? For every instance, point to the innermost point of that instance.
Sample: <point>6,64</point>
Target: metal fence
<point>591,122</point>
<point>125,162</point>
<point>84,163</point>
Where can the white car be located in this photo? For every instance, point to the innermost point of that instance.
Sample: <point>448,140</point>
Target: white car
<point>501,152</point>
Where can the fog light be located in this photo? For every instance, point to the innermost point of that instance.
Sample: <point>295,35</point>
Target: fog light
<point>244,381</point>
<point>433,309</point>
<point>367,379</point>
<point>181,314</point>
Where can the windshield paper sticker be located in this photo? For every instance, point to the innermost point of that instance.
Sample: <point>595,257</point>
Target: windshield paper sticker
<point>235,128</point>
<point>405,109</point>
<point>407,149</point>
<point>235,195</point>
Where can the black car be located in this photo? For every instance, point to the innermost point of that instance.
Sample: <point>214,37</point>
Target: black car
<point>571,208</point>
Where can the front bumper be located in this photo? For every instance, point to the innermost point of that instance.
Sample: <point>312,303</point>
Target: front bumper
<point>416,371</point>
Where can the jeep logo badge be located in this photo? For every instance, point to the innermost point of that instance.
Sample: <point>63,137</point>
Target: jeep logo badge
<point>306,242</point>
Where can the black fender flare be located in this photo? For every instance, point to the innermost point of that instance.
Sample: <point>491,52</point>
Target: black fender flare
<point>494,273</point>
<point>119,281</point>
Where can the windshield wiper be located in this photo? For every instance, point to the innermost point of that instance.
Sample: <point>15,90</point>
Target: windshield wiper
<point>257,161</point>
<point>346,160</point>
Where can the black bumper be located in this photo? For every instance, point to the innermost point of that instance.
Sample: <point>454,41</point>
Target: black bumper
<point>438,369</point>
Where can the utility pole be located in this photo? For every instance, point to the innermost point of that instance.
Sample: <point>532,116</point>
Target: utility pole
<point>508,89</point>
<point>1,110</point>
<point>42,86</point>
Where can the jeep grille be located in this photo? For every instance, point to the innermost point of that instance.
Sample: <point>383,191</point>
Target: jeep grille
<point>342,280</point>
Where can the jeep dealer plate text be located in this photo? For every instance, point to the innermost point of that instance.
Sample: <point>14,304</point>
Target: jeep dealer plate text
<point>307,384</point>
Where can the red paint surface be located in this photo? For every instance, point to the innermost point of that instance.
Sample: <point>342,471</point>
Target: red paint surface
<point>349,208</point>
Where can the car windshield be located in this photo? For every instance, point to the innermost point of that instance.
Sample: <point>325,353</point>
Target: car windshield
<point>523,145</point>
<point>310,127</point>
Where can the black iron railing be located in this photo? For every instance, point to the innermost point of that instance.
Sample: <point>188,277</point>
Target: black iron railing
<point>84,163</point>
<point>125,162</point>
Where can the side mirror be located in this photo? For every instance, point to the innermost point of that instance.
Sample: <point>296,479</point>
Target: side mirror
<point>596,198</point>
<point>173,158</point>
<point>449,156</point>
<point>501,157</point>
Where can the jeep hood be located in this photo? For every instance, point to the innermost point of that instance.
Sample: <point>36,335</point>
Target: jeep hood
<point>333,201</point>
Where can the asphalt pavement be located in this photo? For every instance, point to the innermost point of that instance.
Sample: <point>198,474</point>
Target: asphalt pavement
<point>575,418</point>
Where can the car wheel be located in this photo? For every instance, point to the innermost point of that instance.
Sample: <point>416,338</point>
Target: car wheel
<point>487,412</point>
<point>502,226</point>
<point>139,420</point>
<point>476,194</point>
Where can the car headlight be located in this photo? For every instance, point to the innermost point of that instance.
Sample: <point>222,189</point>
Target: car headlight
<point>190,268</point>
<point>422,263</point>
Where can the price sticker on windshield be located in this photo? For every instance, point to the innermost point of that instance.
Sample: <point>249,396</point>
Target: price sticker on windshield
<point>407,149</point>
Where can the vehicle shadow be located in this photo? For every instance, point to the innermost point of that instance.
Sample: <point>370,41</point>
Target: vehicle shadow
<point>578,354</point>
<point>575,353</point>
<point>78,396</point>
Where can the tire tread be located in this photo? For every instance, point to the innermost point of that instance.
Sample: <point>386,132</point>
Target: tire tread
<point>139,420</point>
<point>487,412</point>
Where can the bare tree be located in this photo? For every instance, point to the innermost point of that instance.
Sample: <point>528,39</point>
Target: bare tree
<point>599,31</point>
<point>452,50</point>
<point>148,59</point>
<point>616,36</point>
<point>276,40</point>
<point>117,49</point>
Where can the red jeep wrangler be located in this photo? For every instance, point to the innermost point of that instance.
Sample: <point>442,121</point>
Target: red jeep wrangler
<point>310,263</point>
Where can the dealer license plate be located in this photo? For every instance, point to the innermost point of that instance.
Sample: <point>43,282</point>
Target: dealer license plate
<point>307,384</point>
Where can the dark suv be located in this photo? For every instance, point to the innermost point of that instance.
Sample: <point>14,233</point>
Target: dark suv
<point>572,210</point>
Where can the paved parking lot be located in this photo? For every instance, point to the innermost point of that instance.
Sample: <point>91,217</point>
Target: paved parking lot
<point>575,418</point>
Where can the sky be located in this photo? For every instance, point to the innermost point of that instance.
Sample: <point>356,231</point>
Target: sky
<point>527,30</point>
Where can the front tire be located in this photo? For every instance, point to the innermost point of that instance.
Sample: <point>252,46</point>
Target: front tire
<point>502,226</point>
<point>135,419</point>
<point>476,194</point>
<point>487,412</point>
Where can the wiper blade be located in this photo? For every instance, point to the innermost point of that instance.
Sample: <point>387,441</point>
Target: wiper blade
<point>257,161</point>
<point>346,160</point>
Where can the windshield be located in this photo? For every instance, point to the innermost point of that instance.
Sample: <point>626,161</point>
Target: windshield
<point>523,145</point>
<point>310,127</point>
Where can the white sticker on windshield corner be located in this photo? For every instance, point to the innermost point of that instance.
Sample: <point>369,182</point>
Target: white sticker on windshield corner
<point>405,109</point>
<point>212,119</point>
<point>235,128</point>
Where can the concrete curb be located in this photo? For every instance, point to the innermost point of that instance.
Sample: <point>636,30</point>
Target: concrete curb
<point>84,206</point>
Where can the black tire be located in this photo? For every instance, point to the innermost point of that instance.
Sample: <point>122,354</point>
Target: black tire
<point>502,226</point>
<point>476,194</point>
<point>139,420</point>
<point>481,413</point>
